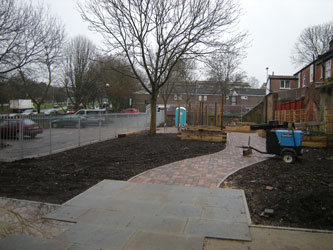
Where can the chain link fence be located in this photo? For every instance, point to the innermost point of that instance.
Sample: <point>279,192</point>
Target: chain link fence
<point>31,136</point>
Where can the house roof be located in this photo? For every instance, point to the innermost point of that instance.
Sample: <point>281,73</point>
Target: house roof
<point>283,77</point>
<point>324,57</point>
<point>249,91</point>
<point>320,59</point>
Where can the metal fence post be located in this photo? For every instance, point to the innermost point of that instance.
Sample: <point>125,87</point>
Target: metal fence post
<point>128,122</point>
<point>50,134</point>
<point>100,128</point>
<point>79,139</point>
<point>21,138</point>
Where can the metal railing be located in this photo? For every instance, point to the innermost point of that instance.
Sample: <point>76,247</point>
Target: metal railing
<point>30,136</point>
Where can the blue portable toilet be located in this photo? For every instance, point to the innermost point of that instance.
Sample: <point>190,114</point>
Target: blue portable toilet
<point>182,120</point>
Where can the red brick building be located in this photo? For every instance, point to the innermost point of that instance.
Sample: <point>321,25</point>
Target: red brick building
<point>277,83</point>
<point>317,71</point>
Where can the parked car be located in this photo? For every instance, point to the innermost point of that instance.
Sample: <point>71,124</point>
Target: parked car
<point>51,111</point>
<point>69,121</point>
<point>29,112</point>
<point>10,128</point>
<point>93,116</point>
<point>130,111</point>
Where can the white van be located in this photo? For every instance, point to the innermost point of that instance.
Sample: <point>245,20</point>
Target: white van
<point>93,116</point>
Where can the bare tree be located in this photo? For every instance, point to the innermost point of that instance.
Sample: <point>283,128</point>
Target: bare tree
<point>222,68</point>
<point>20,37</point>
<point>116,79</point>
<point>78,70</point>
<point>190,79</point>
<point>166,91</point>
<point>46,61</point>
<point>155,34</point>
<point>253,81</point>
<point>312,42</point>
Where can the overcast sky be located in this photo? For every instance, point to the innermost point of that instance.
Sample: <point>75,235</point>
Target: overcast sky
<point>273,25</point>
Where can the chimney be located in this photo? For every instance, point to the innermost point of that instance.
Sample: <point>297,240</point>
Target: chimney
<point>331,43</point>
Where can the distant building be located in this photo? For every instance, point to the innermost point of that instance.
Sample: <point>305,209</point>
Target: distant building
<point>318,71</point>
<point>208,92</point>
<point>278,82</point>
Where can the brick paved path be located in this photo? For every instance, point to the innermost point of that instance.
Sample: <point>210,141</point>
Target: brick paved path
<point>207,170</point>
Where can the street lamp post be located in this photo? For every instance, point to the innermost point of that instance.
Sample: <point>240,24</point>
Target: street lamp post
<point>107,85</point>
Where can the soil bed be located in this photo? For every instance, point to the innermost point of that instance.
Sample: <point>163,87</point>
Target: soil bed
<point>300,194</point>
<point>59,177</point>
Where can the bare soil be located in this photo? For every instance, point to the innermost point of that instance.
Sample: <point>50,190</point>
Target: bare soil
<point>59,177</point>
<point>300,194</point>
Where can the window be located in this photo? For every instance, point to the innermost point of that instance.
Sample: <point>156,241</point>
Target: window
<point>328,69</point>
<point>299,80</point>
<point>322,71</point>
<point>175,97</point>
<point>244,97</point>
<point>312,73</point>
<point>304,81</point>
<point>200,98</point>
<point>284,84</point>
<point>233,100</point>
<point>205,98</point>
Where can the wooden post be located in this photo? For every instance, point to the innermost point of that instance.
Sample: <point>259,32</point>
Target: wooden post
<point>190,114</point>
<point>216,121</point>
<point>196,115</point>
<point>207,115</point>
<point>201,113</point>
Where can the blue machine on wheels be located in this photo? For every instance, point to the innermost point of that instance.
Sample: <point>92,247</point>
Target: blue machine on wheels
<point>280,140</point>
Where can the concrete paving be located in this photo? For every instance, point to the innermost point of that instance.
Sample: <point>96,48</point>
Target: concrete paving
<point>125,215</point>
<point>275,239</point>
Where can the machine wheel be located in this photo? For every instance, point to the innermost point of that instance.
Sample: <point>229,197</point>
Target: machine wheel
<point>288,157</point>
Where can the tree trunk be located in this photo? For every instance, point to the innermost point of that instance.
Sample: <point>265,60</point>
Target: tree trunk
<point>38,107</point>
<point>152,130</point>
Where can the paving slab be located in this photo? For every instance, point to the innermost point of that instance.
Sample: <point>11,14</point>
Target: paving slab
<point>224,214</point>
<point>218,229</point>
<point>275,239</point>
<point>96,235</point>
<point>105,218</point>
<point>139,208</point>
<point>225,202</point>
<point>158,224</point>
<point>150,216</point>
<point>66,213</point>
<point>180,211</point>
<point>20,242</point>
<point>77,246</point>
<point>152,241</point>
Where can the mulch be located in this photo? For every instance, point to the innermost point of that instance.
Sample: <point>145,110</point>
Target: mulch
<point>300,194</point>
<point>59,177</point>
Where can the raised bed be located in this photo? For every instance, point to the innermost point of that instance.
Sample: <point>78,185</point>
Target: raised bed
<point>202,133</point>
